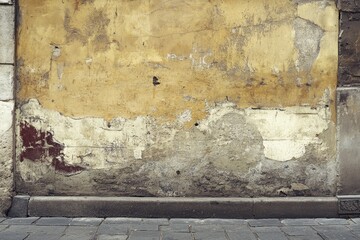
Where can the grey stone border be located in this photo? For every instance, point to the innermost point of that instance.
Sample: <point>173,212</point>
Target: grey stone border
<point>148,207</point>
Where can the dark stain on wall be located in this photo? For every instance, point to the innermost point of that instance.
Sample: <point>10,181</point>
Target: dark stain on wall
<point>39,146</point>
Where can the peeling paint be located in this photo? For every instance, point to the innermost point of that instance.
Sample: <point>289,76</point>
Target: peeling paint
<point>38,146</point>
<point>230,143</point>
<point>177,98</point>
<point>204,50</point>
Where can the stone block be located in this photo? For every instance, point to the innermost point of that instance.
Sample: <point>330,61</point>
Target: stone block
<point>295,207</point>
<point>113,229</point>
<point>299,222</point>
<point>5,203</point>
<point>7,34</point>
<point>86,221</point>
<point>6,1</point>
<point>271,236</point>
<point>20,221</point>
<point>349,5</point>
<point>19,206</point>
<point>264,222</point>
<point>179,227</point>
<point>348,115</point>
<point>6,155</point>
<point>211,235</point>
<point>349,205</point>
<point>333,221</point>
<point>144,235</point>
<point>349,49</point>
<point>299,231</point>
<point>241,236</point>
<point>112,237</point>
<point>53,221</point>
<point>6,82</point>
<point>176,235</point>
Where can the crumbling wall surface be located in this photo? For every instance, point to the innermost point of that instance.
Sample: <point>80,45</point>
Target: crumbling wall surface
<point>177,98</point>
<point>7,47</point>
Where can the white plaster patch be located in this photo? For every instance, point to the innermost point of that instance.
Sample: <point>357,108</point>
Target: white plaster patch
<point>138,153</point>
<point>6,82</point>
<point>287,132</point>
<point>198,58</point>
<point>174,57</point>
<point>185,116</point>
<point>6,116</point>
<point>86,138</point>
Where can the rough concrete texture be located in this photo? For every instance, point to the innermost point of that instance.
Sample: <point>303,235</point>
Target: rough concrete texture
<point>349,49</point>
<point>6,82</point>
<point>177,98</point>
<point>7,36</point>
<point>349,5</point>
<point>349,140</point>
<point>6,155</point>
<point>231,153</point>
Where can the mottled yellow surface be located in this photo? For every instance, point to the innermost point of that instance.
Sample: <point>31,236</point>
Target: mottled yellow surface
<point>98,57</point>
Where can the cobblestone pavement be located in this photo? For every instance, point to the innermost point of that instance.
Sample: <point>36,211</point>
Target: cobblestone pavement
<point>158,228</point>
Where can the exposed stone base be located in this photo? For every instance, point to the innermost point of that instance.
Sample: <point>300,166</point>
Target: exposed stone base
<point>75,206</point>
<point>5,203</point>
<point>349,205</point>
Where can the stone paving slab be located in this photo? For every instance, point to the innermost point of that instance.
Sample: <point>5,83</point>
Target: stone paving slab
<point>19,221</point>
<point>332,221</point>
<point>176,235</point>
<point>144,235</point>
<point>241,235</point>
<point>298,231</point>
<point>271,236</point>
<point>176,227</point>
<point>79,233</point>
<point>300,222</point>
<point>53,221</point>
<point>264,222</point>
<point>86,221</point>
<point>13,235</point>
<point>317,237</point>
<point>185,229</point>
<point>112,237</point>
<point>210,235</point>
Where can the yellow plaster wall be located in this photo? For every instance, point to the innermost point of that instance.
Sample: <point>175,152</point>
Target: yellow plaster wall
<point>97,58</point>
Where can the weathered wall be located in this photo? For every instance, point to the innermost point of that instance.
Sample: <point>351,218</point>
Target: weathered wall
<point>7,47</point>
<point>177,98</point>
<point>348,100</point>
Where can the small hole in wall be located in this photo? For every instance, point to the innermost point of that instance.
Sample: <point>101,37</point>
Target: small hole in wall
<point>178,172</point>
<point>108,124</point>
<point>155,81</point>
<point>196,124</point>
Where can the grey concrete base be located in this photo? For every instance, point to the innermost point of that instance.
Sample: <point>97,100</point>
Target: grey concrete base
<point>292,207</point>
<point>19,206</point>
<point>295,207</point>
<point>348,115</point>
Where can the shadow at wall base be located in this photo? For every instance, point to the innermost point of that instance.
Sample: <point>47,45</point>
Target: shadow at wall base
<point>147,207</point>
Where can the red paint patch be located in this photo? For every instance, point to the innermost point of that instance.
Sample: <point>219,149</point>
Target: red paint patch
<point>39,145</point>
<point>61,166</point>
